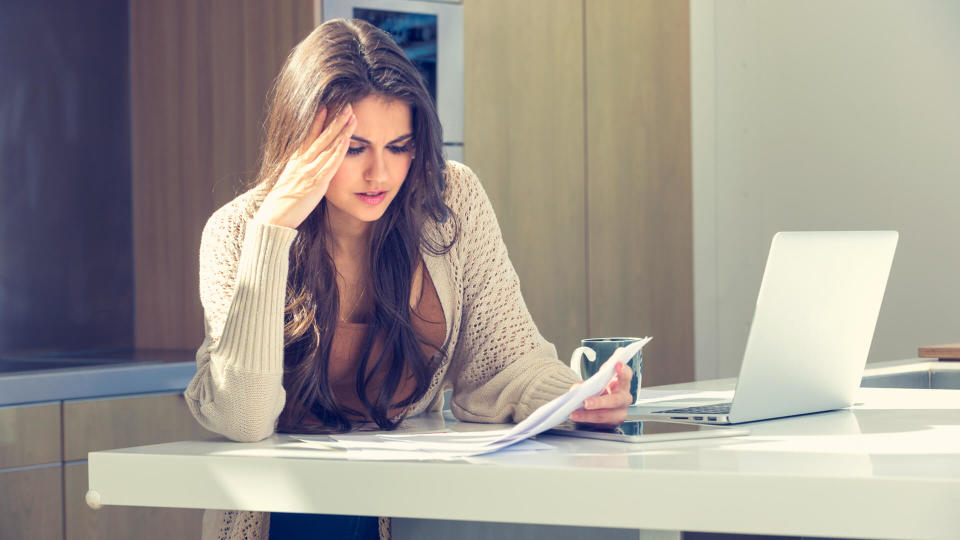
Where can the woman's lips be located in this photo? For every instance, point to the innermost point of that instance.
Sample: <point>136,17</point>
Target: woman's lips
<point>373,200</point>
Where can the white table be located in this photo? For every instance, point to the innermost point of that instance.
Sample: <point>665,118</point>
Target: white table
<point>888,468</point>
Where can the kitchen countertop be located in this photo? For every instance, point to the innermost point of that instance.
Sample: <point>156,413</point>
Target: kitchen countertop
<point>59,376</point>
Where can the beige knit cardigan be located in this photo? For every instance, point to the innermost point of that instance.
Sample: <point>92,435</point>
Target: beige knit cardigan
<point>499,366</point>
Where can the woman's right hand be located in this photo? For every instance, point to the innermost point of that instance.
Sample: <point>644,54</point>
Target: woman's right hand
<point>307,174</point>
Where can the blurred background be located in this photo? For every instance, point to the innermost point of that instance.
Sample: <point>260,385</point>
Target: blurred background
<point>640,156</point>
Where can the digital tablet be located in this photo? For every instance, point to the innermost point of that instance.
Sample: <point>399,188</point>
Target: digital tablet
<point>639,431</point>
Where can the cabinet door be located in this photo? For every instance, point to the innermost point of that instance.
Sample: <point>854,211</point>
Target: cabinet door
<point>29,435</point>
<point>524,137</point>
<point>199,73</point>
<point>639,196</point>
<point>112,522</point>
<point>31,503</point>
<point>104,424</point>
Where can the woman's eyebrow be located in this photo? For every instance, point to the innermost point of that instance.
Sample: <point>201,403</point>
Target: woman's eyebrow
<point>395,141</point>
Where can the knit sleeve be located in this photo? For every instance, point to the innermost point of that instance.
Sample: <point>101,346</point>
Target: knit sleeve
<point>503,368</point>
<point>237,390</point>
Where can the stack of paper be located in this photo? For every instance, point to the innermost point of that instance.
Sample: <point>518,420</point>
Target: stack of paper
<point>449,445</point>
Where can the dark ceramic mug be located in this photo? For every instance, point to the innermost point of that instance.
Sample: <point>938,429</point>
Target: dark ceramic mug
<point>593,352</point>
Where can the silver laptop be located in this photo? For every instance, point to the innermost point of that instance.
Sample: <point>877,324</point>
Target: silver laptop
<point>816,313</point>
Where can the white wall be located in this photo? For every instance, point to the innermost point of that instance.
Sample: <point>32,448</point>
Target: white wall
<point>825,115</point>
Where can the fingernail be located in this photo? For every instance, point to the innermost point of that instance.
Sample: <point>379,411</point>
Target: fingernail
<point>588,404</point>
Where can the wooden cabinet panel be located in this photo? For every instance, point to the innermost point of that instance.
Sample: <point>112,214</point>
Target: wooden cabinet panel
<point>29,435</point>
<point>31,504</point>
<point>199,76</point>
<point>639,179</point>
<point>524,137</point>
<point>112,522</point>
<point>105,424</point>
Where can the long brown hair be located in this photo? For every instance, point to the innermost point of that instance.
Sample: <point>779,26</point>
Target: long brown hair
<point>341,62</point>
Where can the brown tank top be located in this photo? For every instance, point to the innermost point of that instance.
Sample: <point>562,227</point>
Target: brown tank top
<point>427,319</point>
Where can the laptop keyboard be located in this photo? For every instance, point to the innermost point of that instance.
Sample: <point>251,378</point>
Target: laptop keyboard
<point>719,408</point>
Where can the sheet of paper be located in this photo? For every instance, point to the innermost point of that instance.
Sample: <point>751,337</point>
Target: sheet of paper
<point>420,455</point>
<point>450,445</point>
<point>557,411</point>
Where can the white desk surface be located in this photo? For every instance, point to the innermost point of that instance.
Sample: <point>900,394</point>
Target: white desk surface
<point>888,468</point>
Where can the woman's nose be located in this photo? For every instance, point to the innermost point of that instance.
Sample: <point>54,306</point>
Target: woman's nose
<point>376,172</point>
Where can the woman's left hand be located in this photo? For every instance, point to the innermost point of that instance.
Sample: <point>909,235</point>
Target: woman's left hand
<point>610,407</point>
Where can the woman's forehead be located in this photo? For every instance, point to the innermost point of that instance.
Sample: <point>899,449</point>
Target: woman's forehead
<point>382,118</point>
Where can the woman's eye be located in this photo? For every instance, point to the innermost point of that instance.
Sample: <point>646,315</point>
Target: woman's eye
<point>354,150</point>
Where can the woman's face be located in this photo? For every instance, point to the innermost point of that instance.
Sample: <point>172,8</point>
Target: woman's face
<point>372,172</point>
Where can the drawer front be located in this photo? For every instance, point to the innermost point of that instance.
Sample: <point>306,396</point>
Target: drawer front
<point>29,435</point>
<point>104,424</point>
<point>31,504</point>
<point>112,522</point>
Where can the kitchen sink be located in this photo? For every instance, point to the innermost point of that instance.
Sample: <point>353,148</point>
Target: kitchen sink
<point>931,375</point>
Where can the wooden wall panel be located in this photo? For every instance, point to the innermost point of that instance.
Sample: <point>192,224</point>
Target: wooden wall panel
<point>639,179</point>
<point>200,73</point>
<point>230,119</point>
<point>524,137</point>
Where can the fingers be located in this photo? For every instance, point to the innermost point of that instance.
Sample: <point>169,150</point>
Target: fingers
<point>623,378</point>
<point>317,126</point>
<point>315,129</point>
<point>608,401</point>
<point>610,407</point>
<point>330,136</point>
<point>621,381</point>
<point>329,160</point>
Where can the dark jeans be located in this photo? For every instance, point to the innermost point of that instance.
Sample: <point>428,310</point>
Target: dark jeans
<point>322,527</point>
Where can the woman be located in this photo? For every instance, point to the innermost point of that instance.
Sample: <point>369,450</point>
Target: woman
<point>361,276</point>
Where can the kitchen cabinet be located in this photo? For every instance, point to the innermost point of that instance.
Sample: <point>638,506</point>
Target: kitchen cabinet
<point>100,424</point>
<point>43,468</point>
<point>31,495</point>
<point>639,179</point>
<point>577,121</point>
<point>29,435</point>
<point>31,503</point>
<point>524,137</point>
<point>199,76</point>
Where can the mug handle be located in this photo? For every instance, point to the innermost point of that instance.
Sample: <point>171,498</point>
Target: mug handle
<point>576,359</point>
